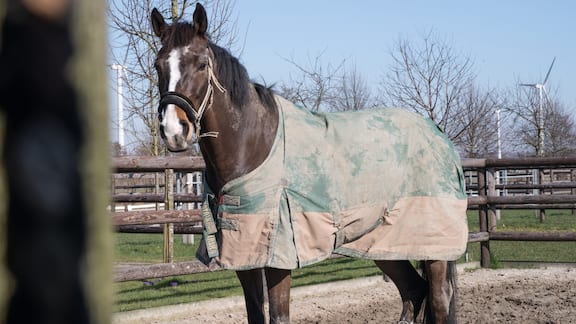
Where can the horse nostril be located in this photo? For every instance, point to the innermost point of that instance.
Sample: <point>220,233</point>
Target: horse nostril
<point>185,127</point>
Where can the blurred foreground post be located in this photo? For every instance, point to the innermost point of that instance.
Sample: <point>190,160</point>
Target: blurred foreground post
<point>52,94</point>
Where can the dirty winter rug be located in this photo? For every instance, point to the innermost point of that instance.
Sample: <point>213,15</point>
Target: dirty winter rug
<point>376,184</point>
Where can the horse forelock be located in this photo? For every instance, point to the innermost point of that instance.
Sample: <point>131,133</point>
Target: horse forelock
<point>177,35</point>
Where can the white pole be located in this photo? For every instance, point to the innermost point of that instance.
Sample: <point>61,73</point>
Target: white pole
<point>499,134</point>
<point>499,156</point>
<point>192,187</point>
<point>119,69</point>
<point>504,174</point>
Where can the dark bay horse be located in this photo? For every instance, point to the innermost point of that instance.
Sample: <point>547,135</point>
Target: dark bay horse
<point>206,96</point>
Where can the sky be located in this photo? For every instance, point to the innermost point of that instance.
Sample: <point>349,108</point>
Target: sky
<point>508,41</point>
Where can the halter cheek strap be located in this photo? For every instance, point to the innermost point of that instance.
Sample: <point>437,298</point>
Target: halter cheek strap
<point>182,101</point>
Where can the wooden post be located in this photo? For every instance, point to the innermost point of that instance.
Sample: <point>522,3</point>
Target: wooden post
<point>483,215</point>
<point>168,248</point>
<point>53,93</point>
<point>572,179</point>
<point>542,212</point>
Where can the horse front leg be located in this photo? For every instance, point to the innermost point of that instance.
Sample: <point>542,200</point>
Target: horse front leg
<point>411,286</point>
<point>253,287</point>
<point>278,282</point>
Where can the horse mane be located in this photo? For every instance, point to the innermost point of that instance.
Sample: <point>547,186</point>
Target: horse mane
<point>231,73</point>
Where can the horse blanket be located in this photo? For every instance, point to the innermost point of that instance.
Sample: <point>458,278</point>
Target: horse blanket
<point>382,184</point>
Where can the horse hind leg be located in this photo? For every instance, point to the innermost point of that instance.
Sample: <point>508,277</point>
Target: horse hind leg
<point>411,286</point>
<point>278,282</point>
<point>441,306</point>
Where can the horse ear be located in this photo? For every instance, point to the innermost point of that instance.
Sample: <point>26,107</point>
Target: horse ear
<point>158,23</point>
<point>200,20</point>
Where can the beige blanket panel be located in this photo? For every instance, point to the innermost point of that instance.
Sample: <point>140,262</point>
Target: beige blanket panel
<point>417,228</point>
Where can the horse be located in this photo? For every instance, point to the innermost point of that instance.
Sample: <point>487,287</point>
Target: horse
<point>265,211</point>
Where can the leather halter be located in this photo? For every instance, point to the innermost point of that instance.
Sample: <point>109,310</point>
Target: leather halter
<point>182,101</point>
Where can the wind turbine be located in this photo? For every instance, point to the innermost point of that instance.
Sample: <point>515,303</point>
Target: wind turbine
<point>541,87</point>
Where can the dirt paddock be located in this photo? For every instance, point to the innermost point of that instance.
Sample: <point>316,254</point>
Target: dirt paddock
<point>485,296</point>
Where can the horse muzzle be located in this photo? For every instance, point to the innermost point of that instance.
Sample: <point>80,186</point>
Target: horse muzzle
<point>176,143</point>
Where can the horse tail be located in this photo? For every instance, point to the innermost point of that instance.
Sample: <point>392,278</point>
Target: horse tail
<point>451,274</point>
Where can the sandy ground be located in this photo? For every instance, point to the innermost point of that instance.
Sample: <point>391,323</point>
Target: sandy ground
<point>485,296</point>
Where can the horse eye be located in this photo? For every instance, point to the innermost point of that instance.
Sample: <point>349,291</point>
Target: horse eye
<point>201,66</point>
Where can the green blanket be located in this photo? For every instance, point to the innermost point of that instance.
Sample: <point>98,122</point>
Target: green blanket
<point>376,184</point>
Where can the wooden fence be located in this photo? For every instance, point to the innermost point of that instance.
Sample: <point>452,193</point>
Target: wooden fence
<point>487,183</point>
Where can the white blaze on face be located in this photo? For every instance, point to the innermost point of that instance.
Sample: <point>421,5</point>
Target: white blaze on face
<point>170,122</point>
<point>174,64</point>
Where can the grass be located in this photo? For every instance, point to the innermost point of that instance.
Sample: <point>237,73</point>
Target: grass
<point>198,287</point>
<point>203,286</point>
<point>527,220</point>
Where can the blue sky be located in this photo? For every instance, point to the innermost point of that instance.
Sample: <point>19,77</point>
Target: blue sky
<point>507,40</point>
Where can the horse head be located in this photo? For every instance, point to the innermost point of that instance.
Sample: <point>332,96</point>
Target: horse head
<point>186,78</point>
<point>206,95</point>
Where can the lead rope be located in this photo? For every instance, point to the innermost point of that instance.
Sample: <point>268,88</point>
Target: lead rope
<point>207,101</point>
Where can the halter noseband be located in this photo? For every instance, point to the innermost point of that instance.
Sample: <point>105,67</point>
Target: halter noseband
<point>182,101</point>
<point>175,98</point>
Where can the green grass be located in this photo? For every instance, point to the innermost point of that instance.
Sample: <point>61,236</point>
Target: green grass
<point>203,286</point>
<point>148,248</point>
<point>527,220</point>
<point>197,287</point>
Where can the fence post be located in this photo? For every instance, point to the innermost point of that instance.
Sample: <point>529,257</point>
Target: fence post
<point>572,179</point>
<point>168,248</point>
<point>483,218</point>
<point>542,212</point>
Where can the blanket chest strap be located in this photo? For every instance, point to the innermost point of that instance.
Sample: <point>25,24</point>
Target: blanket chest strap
<point>209,227</point>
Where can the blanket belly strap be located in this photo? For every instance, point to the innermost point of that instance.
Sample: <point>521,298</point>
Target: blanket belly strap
<point>230,200</point>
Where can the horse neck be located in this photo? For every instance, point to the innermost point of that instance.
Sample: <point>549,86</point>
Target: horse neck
<point>245,137</point>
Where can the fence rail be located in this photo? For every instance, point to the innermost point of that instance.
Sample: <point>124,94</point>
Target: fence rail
<point>486,184</point>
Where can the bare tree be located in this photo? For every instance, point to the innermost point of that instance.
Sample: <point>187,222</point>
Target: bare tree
<point>134,46</point>
<point>352,93</point>
<point>559,127</point>
<point>524,108</point>
<point>429,77</point>
<point>326,87</point>
<point>560,131</point>
<point>478,115</point>
<point>312,86</point>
